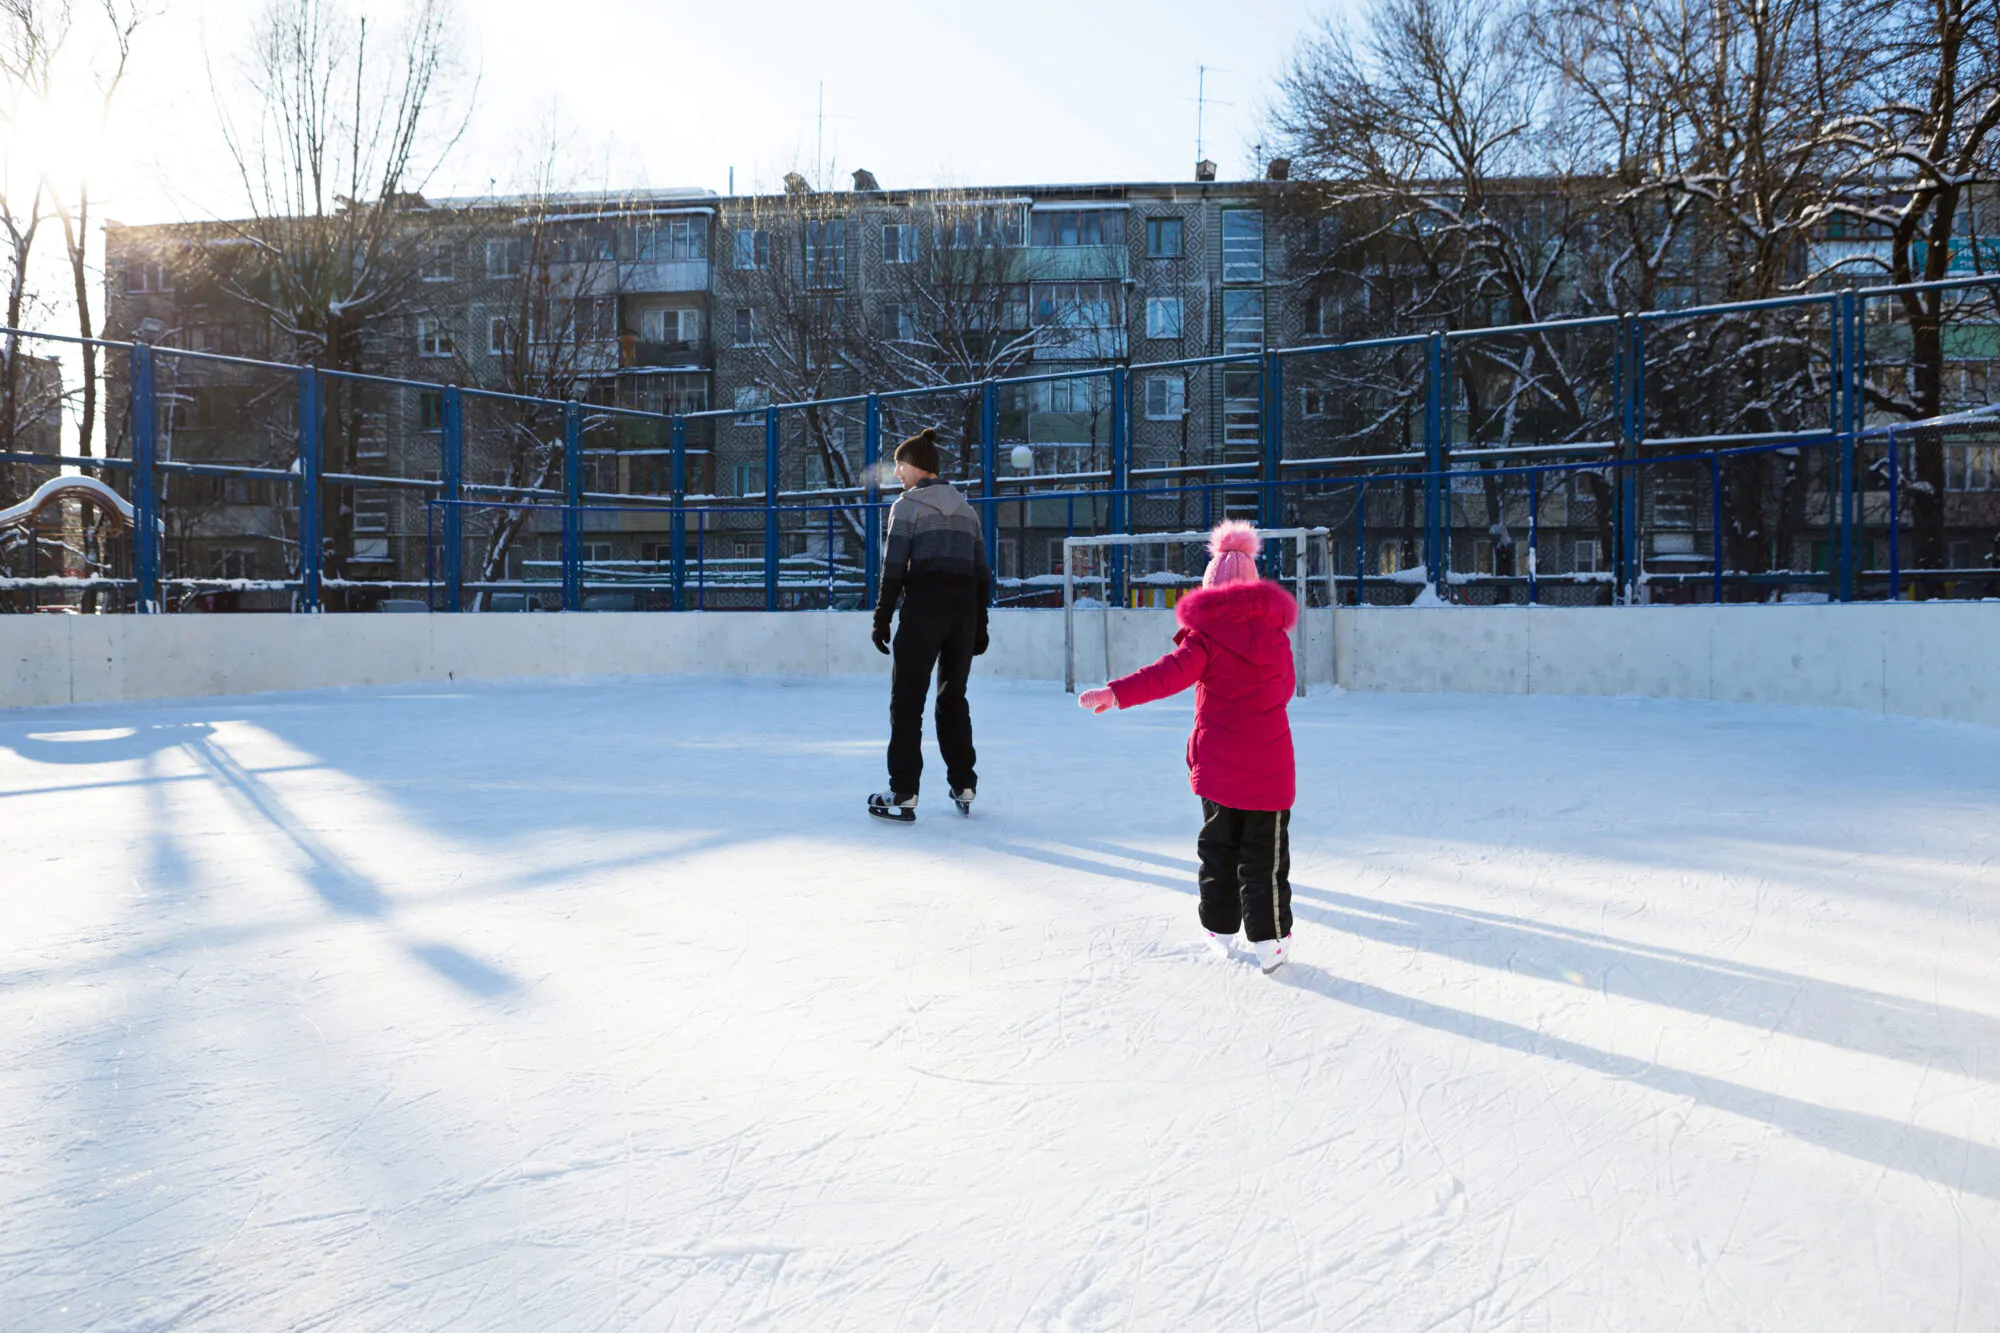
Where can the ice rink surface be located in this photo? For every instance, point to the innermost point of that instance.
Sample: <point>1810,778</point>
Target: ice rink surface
<point>602,1005</point>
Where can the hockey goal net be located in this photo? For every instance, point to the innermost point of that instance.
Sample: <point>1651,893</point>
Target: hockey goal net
<point>1137,571</point>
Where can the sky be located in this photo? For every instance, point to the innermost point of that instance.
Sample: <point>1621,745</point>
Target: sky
<point>653,94</point>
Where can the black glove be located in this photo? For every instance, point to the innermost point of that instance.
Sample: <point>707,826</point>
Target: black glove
<point>881,637</point>
<point>979,641</point>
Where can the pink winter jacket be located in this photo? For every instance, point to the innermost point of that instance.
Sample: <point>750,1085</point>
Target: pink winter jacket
<point>1232,648</point>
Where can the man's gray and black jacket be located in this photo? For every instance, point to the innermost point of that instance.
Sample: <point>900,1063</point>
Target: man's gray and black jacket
<point>934,545</point>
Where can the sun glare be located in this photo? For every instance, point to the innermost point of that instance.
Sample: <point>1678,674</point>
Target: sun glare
<point>57,140</point>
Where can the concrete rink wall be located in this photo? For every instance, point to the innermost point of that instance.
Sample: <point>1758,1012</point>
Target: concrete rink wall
<point>1921,659</point>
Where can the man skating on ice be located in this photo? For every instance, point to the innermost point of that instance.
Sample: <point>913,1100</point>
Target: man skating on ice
<point>934,562</point>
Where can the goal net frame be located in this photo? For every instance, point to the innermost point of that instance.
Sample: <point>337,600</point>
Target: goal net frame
<point>1304,540</point>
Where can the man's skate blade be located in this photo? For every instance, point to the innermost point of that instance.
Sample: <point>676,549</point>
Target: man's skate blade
<point>894,814</point>
<point>964,808</point>
<point>1267,971</point>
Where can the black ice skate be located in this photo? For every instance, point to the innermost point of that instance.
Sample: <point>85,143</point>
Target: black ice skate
<point>963,800</point>
<point>889,805</point>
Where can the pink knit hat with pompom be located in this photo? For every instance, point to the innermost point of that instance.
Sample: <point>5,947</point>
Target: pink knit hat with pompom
<point>1232,554</point>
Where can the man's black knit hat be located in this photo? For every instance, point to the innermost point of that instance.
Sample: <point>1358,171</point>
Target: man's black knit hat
<point>920,451</point>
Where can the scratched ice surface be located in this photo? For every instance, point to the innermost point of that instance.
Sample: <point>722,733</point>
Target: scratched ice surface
<point>601,1005</point>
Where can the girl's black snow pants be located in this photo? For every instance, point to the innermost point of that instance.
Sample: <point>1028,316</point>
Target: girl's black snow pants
<point>1246,870</point>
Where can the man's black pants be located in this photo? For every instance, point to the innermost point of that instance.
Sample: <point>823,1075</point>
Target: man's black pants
<point>936,628</point>
<point>1246,871</point>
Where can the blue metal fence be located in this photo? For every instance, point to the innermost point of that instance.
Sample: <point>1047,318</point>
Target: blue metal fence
<point>1420,380</point>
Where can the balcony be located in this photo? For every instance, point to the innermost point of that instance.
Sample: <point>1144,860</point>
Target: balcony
<point>605,277</point>
<point>644,353</point>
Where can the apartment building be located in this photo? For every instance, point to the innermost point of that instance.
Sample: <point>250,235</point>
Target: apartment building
<point>686,301</point>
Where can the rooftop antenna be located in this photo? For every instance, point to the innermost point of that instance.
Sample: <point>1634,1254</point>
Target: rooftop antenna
<point>1202,101</point>
<point>819,137</point>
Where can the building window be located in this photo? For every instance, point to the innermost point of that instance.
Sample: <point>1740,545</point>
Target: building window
<point>749,478</point>
<point>1585,559</point>
<point>1163,238</point>
<point>433,336</point>
<point>899,323</point>
<point>499,337</point>
<point>670,326</point>
<point>430,410</point>
<point>1312,402</point>
<point>1242,322</point>
<point>1090,226</point>
<point>753,249</point>
<point>974,226</point>
<point>1166,397</point>
<point>826,253</point>
<point>899,243</point>
<point>1163,317</point>
<point>750,404</point>
<point>1389,558</point>
<point>144,277</point>
<point>1085,393</point>
<point>436,266</point>
<point>670,239</point>
<point>1073,304</point>
<point>1242,245</point>
<point>1969,467</point>
<point>749,327</point>
<point>371,510</point>
<point>503,258</point>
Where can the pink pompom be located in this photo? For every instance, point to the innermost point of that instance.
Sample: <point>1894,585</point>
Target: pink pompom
<point>1234,535</point>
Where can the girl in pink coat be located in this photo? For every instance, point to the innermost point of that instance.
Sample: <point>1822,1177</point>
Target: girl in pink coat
<point>1232,647</point>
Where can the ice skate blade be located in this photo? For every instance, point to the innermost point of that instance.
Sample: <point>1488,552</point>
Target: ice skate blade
<point>964,808</point>
<point>894,814</point>
<point>1267,971</point>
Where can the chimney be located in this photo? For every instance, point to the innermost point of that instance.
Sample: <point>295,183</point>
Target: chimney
<point>1204,170</point>
<point>865,182</point>
<point>1279,168</point>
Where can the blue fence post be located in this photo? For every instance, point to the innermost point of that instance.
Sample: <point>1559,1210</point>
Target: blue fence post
<point>770,508</point>
<point>145,493</point>
<point>1715,545</point>
<point>1631,429</point>
<point>1895,521</point>
<point>452,472</point>
<point>1849,419</point>
<point>1120,514</point>
<point>312,454</point>
<point>677,434</point>
<point>1534,534</point>
<point>572,533</point>
<point>1435,425</point>
<point>989,469</point>
<point>1271,505</point>
<point>1360,543</point>
<point>871,499</point>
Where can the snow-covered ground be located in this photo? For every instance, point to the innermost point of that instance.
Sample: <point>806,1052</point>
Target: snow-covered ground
<point>601,1005</point>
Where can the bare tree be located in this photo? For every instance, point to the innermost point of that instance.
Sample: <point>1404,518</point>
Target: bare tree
<point>1440,183</point>
<point>1924,146</point>
<point>556,337</point>
<point>33,37</point>
<point>341,134</point>
<point>71,200</point>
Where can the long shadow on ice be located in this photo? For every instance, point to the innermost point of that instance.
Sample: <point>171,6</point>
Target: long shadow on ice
<point>1835,1014</point>
<point>1830,1012</point>
<point>340,885</point>
<point>1942,1159</point>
